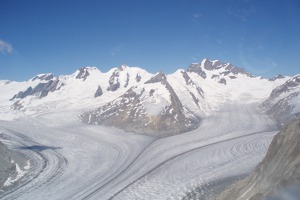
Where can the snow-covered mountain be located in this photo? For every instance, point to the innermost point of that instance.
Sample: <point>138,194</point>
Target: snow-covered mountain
<point>151,108</point>
<point>216,104</point>
<point>136,100</point>
<point>221,71</point>
<point>284,101</point>
<point>86,88</point>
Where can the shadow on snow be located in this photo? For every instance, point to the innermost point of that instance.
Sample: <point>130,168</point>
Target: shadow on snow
<point>38,148</point>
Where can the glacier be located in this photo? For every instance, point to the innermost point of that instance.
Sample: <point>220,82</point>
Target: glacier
<point>74,160</point>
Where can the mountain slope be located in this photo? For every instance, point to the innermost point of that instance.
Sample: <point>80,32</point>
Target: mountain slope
<point>279,169</point>
<point>284,101</point>
<point>188,95</point>
<point>152,108</point>
<point>216,100</point>
<point>12,166</point>
<point>85,88</point>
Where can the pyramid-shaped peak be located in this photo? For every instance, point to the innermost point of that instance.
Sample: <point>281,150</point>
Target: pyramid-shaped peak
<point>159,77</point>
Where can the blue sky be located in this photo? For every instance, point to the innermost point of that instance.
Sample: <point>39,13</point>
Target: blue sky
<point>59,36</point>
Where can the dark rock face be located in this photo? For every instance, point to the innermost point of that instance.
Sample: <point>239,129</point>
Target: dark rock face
<point>190,82</point>
<point>197,69</point>
<point>215,76</point>
<point>279,107</point>
<point>279,76</point>
<point>41,90</point>
<point>196,100</point>
<point>22,94</point>
<point>98,92</point>
<point>187,78</point>
<point>7,166</point>
<point>281,111</point>
<point>43,77</point>
<point>222,81</point>
<point>286,87</point>
<point>279,169</point>
<point>209,65</point>
<point>236,70</point>
<point>114,83</point>
<point>83,73</point>
<point>129,112</point>
<point>127,81</point>
<point>229,68</point>
<point>17,105</point>
<point>225,73</point>
<point>158,78</point>
<point>138,78</point>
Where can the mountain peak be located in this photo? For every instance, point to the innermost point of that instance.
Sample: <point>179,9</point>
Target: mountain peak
<point>213,65</point>
<point>84,72</point>
<point>226,68</point>
<point>279,76</point>
<point>43,77</point>
<point>196,67</point>
<point>158,77</point>
<point>123,67</point>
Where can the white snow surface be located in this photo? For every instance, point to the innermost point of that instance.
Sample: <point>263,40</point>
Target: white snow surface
<point>155,103</point>
<point>78,161</point>
<point>293,101</point>
<point>71,160</point>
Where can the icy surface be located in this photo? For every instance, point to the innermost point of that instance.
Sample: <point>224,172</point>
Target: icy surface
<point>71,160</point>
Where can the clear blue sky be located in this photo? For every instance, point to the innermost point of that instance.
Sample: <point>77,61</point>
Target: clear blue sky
<point>59,36</point>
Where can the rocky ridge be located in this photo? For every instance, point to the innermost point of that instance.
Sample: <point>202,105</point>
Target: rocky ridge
<point>152,108</point>
<point>283,102</point>
<point>276,174</point>
<point>10,162</point>
<point>136,100</point>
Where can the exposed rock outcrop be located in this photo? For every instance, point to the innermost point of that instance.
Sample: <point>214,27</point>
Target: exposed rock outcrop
<point>138,78</point>
<point>283,102</point>
<point>222,81</point>
<point>82,73</point>
<point>98,92</point>
<point>41,90</point>
<point>114,83</point>
<point>9,161</point>
<point>195,67</point>
<point>278,171</point>
<point>190,82</point>
<point>279,76</point>
<point>153,109</point>
<point>43,77</point>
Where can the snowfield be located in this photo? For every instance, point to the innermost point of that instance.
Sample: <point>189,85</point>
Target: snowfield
<point>68,159</point>
<point>71,160</point>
